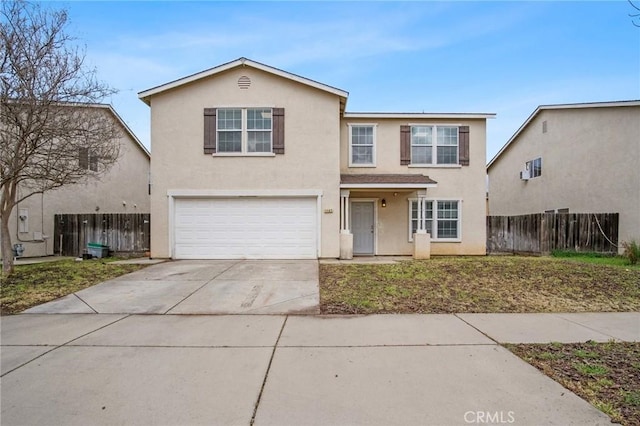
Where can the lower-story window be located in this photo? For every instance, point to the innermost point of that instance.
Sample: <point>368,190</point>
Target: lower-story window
<point>442,219</point>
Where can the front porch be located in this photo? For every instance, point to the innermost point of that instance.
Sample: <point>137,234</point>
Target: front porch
<point>384,215</point>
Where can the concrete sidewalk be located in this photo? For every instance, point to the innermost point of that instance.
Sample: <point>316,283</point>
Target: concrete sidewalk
<point>289,370</point>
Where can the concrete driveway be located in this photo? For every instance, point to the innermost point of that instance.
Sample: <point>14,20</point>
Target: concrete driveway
<point>201,287</point>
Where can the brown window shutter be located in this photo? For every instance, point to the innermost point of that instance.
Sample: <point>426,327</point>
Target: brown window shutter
<point>210,130</point>
<point>278,130</point>
<point>463,145</point>
<point>405,145</point>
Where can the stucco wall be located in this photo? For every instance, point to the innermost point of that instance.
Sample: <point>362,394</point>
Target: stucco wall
<point>126,182</point>
<point>590,164</point>
<point>466,183</point>
<point>310,162</point>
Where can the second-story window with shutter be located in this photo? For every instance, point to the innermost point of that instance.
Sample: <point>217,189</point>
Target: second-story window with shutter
<point>447,145</point>
<point>259,130</point>
<point>436,145</point>
<point>421,145</point>
<point>229,130</point>
<point>362,145</point>
<point>244,130</point>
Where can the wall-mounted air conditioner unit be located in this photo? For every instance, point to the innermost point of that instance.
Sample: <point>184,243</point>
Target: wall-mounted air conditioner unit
<point>524,175</point>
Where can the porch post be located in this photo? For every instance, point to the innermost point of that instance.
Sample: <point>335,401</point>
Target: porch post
<point>422,239</point>
<point>344,211</point>
<point>346,238</point>
<point>422,211</point>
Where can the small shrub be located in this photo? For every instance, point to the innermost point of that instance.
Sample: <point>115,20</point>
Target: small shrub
<point>631,251</point>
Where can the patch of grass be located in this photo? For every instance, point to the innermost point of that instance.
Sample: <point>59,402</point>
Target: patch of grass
<point>31,285</point>
<point>549,355</point>
<point>607,408</point>
<point>631,398</point>
<point>597,258</point>
<point>585,254</point>
<point>590,369</point>
<point>600,383</point>
<point>581,353</point>
<point>478,284</point>
<point>612,386</point>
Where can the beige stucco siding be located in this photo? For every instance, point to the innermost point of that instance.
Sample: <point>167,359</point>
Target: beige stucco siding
<point>123,189</point>
<point>590,163</point>
<point>465,183</point>
<point>310,162</point>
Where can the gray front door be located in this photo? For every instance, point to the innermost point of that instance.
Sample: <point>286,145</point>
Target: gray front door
<point>362,227</point>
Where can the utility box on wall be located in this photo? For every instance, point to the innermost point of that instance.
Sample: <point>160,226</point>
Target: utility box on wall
<point>23,220</point>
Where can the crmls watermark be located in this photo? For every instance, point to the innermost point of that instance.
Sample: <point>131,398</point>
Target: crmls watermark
<point>490,417</point>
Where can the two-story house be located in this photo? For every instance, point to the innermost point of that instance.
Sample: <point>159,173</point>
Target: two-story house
<point>573,158</point>
<point>250,161</point>
<point>124,188</point>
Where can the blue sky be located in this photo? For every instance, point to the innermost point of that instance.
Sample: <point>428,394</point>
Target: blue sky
<point>502,57</point>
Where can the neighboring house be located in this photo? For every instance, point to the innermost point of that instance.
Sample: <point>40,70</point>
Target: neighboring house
<point>578,158</point>
<point>254,162</point>
<point>123,189</point>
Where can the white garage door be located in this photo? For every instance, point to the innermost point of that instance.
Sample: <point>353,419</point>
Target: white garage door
<point>245,228</point>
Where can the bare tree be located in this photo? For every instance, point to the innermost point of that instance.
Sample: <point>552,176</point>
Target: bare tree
<point>52,132</point>
<point>635,17</point>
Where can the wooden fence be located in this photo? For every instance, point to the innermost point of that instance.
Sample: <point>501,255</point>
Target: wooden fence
<point>542,233</point>
<point>122,232</point>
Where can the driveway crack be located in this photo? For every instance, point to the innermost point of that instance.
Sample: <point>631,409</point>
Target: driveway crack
<point>90,307</point>
<point>477,329</point>
<point>65,344</point>
<point>266,375</point>
<point>199,288</point>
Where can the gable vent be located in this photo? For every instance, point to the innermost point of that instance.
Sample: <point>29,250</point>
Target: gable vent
<point>244,82</point>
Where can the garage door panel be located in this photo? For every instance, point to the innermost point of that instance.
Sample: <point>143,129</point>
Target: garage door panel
<point>257,228</point>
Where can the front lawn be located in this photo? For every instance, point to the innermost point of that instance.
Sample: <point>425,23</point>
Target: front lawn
<point>31,285</point>
<point>478,284</point>
<point>605,374</point>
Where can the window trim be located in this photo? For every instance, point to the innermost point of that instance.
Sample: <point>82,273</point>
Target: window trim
<point>434,237</point>
<point>434,145</point>
<point>244,134</point>
<point>374,126</point>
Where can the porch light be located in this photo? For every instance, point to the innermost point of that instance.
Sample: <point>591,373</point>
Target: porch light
<point>384,203</point>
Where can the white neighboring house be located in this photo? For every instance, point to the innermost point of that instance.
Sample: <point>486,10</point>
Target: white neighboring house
<point>578,158</point>
<point>123,189</point>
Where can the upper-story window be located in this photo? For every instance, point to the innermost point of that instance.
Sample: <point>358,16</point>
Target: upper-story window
<point>244,130</point>
<point>535,167</point>
<point>429,143</point>
<point>362,145</point>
